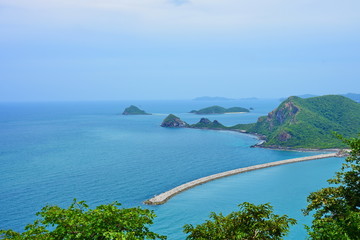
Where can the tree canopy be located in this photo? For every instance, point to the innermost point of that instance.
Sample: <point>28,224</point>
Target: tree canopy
<point>80,222</point>
<point>337,208</point>
<point>250,222</point>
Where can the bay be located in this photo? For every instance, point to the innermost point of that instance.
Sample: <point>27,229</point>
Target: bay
<point>51,153</point>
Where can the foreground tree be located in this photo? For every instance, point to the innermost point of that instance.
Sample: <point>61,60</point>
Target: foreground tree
<point>337,208</point>
<point>250,222</point>
<point>80,222</point>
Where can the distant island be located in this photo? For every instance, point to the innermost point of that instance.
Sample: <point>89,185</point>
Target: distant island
<point>206,98</point>
<point>173,121</point>
<point>353,96</point>
<point>298,123</point>
<point>219,110</point>
<point>133,110</point>
<point>209,99</point>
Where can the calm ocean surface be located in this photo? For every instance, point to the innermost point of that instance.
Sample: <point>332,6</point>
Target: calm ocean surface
<point>51,153</point>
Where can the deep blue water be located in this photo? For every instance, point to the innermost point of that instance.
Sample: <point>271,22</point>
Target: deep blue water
<point>51,153</point>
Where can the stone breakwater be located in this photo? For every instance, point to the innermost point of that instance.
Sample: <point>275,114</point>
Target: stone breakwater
<point>164,197</point>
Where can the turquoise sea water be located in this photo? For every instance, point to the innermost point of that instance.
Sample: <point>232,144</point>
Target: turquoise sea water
<point>51,153</point>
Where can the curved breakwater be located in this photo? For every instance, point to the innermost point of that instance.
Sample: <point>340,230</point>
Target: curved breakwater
<point>164,197</point>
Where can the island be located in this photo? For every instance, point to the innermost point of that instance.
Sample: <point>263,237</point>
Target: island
<point>207,98</point>
<point>299,123</point>
<point>133,110</point>
<point>173,121</point>
<point>219,110</point>
<point>353,96</point>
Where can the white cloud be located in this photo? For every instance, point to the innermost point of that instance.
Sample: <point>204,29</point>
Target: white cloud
<point>183,15</point>
<point>179,2</point>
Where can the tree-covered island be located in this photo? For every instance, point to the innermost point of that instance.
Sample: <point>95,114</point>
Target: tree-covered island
<point>133,110</point>
<point>301,123</point>
<point>219,110</point>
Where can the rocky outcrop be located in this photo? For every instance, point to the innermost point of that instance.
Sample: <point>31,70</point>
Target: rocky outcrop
<point>205,123</point>
<point>284,136</point>
<point>173,121</point>
<point>286,112</point>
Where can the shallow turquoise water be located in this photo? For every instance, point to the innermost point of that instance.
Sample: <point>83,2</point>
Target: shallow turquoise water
<point>285,187</point>
<point>51,153</point>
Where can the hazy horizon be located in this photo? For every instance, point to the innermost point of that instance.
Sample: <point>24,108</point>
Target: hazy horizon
<point>177,49</point>
<point>226,99</point>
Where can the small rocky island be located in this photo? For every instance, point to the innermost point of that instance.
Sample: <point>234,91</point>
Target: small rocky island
<point>173,121</point>
<point>133,110</point>
<point>219,110</point>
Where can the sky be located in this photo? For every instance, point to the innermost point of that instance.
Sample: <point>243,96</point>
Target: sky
<point>79,50</point>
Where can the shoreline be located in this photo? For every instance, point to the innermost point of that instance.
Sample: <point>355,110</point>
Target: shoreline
<point>262,137</point>
<point>164,197</point>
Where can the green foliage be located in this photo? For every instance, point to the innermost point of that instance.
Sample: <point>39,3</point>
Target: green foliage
<point>237,109</point>
<point>80,222</point>
<point>337,208</point>
<point>219,110</point>
<point>309,123</point>
<point>133,110</point>
<point>251,222</point>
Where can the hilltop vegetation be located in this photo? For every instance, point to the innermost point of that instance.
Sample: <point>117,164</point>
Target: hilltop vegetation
<point>308,123</point>
<point>219,110</point>
<point>352,96</point>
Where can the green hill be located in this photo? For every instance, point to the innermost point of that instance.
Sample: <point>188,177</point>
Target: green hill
<point>219,110</point>
<point>308,123</point>
<point>133,110</point>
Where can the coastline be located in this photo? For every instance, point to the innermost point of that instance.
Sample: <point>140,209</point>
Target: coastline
<point>261,139</point>
<point>235,112</point>
<point>164,197</point>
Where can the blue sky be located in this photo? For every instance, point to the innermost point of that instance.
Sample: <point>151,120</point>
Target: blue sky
<point>64,50</point>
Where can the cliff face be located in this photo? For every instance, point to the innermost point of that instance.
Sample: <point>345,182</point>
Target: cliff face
<point>173,121</point>
<point>286,112</point>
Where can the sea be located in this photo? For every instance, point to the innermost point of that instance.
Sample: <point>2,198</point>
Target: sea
<point>53,152</point>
